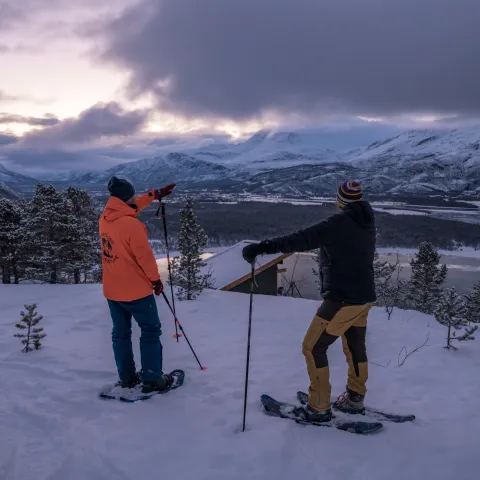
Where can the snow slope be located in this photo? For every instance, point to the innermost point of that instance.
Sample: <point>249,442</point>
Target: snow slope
<point>12,178</point>
<point>270,150</point>
<point>422,144</point>
<point>8,192</point>
<point>54,428</point>
<point>174,167</point>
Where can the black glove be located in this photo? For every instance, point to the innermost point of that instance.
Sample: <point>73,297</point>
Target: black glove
<point>251,251</point>
<point>157,287</point>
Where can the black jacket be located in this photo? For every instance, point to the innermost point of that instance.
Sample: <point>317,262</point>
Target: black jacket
<point>347,248</point>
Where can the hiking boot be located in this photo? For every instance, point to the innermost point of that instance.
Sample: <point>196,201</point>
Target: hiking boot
<point>160,385</point>
<point>131,383</point>
<point>350,402</point>
<point>318,416</point>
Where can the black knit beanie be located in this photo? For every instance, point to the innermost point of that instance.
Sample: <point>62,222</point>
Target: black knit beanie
<point>120,188</point>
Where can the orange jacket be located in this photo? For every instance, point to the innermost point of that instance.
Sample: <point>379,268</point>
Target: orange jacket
<point>129,267</point>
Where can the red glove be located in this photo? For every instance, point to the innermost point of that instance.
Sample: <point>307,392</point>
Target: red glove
<point>157,287</point>
<point>164,192</point>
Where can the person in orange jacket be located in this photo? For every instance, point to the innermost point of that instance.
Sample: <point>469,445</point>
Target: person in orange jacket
<point>130,277</point>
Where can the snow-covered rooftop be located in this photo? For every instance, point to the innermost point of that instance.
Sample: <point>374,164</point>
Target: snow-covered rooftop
<point>229,267</point>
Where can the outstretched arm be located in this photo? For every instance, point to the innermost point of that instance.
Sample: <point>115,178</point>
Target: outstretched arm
<point>302,240</point>
<point>143,201</point>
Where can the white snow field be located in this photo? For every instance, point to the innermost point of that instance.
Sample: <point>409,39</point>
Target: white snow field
<point>53,426</point>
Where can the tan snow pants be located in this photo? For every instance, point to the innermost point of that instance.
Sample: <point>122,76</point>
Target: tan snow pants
<point>333,320</point>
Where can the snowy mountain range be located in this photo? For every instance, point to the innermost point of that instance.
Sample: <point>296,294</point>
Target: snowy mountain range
<point>415,162</point>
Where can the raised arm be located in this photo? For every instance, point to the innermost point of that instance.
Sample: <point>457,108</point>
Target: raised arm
<point>143,201</point>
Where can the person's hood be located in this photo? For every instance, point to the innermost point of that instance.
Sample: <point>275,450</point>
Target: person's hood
<point>361,212</point>
<point>116,208</point>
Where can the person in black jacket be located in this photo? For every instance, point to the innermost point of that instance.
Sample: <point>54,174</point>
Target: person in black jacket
<point>347,246</point>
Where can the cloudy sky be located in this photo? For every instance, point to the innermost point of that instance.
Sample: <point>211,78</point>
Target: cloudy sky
<point>86,84</point>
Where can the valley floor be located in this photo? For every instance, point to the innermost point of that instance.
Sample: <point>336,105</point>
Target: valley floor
<point>53,426</point>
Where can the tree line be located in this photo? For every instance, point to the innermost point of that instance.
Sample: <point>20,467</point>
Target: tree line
<point>226,224</point>
<point>52,238</point>
<point>424,293</point>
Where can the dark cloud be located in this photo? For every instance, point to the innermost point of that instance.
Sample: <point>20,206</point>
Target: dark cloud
<point>7,139</point>
<point>101,120</point>
<point>239,59</point>
<point>34,162</point>
<point>46,121</point>
<point>10,14</point>
<point>101,136</point>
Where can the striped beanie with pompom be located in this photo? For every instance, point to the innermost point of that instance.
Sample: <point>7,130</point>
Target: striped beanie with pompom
<point>349,192</point>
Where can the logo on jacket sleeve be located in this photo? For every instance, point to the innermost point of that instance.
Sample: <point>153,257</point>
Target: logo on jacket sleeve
<point>108,255</point>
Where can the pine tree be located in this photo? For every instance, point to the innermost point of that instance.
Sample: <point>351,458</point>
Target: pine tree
<point>427,279</point>
<point>472,300</point>
<point>383,272</point>
<point>82,254</point>
<point>186,270</point>
<point>33,336</point>
<point>48,229</point>
<point>450,311</point>
<point>10,241</point>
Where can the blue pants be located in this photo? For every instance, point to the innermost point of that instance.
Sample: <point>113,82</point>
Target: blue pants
<point>145,312</point>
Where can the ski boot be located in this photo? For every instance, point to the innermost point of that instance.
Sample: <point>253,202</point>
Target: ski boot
<point>161,384</point>
<point>317,416</point>
<point>350,402</point>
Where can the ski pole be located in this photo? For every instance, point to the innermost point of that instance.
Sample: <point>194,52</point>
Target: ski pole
<point>165,231</point>
<point>182,330</point>
<point>252,282</point>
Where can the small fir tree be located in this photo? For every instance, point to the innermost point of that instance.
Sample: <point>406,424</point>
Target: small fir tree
<point>425,286</point>
<point>33,335</point>
<point>451,311</point>
<point>391,288</point>
<point>383,272</point>
<point>472,301</point>
<point>186,270</point>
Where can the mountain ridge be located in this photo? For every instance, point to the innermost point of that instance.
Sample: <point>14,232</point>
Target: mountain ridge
<point>417,161</point>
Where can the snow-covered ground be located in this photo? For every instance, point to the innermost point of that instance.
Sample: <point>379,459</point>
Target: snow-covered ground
<point>53,426</point>
<point>396,211</point>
